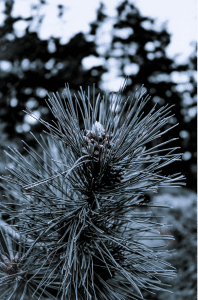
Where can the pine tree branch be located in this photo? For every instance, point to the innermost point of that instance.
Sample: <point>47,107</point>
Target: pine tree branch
<point>16,235</point>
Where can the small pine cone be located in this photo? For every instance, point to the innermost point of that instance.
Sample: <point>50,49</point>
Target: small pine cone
<point>100,147</point>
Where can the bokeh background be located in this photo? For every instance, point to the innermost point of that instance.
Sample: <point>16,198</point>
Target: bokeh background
<point>46,44</point>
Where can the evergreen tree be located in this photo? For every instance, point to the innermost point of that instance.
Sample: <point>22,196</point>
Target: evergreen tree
<point>139,51</point>
<point>75,230</point>
<point>31,67</point>
<point>37,66</point>
<point>188,125</point>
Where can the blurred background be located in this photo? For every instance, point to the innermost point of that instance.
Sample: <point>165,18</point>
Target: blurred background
<point>46,44</point>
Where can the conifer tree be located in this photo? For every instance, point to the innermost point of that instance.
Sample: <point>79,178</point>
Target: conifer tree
<point>75,230</point>
<point>35,67</point>
<point>137,49</point>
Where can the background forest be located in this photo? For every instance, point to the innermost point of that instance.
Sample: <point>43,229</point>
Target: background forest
<point>31,67</point>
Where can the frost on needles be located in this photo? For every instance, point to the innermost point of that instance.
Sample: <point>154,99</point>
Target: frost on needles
<point>74,231</point>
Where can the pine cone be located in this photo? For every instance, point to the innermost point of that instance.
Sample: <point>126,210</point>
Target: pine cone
<point>99,146</point>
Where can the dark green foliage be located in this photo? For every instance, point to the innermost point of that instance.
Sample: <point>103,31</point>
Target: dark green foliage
<point>37,67</point>
<point>75,205</point>
<point>16,270</point>
<point>141,55</point>
<point>181,223</point>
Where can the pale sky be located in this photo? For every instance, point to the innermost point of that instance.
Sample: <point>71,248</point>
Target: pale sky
<point>179,14</point>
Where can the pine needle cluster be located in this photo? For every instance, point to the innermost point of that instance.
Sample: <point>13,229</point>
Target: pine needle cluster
<point>74,230</point>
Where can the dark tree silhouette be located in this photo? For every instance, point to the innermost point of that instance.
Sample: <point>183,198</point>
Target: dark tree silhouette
<point>34,67</point>
<point>140,52</point>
